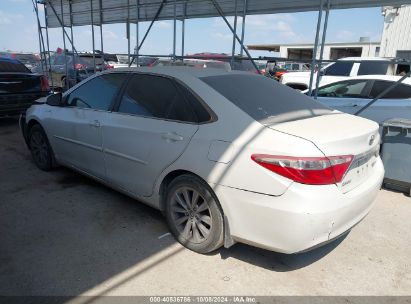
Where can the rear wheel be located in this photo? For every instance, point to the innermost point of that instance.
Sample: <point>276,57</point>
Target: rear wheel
<point>40,148</point>
<point>193,214</point>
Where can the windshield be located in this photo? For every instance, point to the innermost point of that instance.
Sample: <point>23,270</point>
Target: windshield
<point>265,100</point>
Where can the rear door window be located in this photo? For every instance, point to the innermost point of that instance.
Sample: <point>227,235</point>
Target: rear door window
<point>263,99</point>
<point>402,91</point>
<point>156,97</point>
<point>97,93</point>
<point>373,68</point>
<point>340,68</point>
<point>345,89</point>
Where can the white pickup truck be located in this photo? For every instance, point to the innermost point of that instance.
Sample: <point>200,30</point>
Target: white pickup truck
<point>340,70</point>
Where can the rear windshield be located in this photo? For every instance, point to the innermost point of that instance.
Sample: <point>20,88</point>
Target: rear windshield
<point>13,66</point>
<point>264,99</point>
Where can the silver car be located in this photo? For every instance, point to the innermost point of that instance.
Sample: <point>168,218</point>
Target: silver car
<point>227,156</point>
<point>351,94</point>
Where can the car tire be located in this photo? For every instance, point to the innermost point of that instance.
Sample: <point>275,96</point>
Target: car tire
<point>40,148</point>
<point>193,214</point>
<point>64,86</point>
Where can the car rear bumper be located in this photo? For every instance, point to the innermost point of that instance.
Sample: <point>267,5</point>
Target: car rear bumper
<point>302,218</point>
<point>15,104</point>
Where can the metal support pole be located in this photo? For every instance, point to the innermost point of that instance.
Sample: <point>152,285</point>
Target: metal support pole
<point>92,35</point>
<point>317,34</point>
<point>243,26</point>
<point>221,13</point>
<point>137,31</point>
<point>383,93</point>
<point>174,30</point>
<point>60,22</point>
<point>128,33</point>
<point>150,26</point>
<point>67,78</point>
<point>48,47</point>
<point>317,81</point>
<point>101,27</point>
<point>40,34</point>
<point>72,37</point>
<point>234,33</point>
<point>183,29</point>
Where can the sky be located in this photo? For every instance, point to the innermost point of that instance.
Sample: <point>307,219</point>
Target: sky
<point>18,31</point>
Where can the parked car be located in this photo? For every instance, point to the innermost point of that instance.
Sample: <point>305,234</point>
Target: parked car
<point>339,70</point>
<point>352,94</point>
<point>227,156</point>
<point>122,61</point>
<point>273,70</point>
<point>196,63</point>
<point>239,63</point>
<point>79,67</point>
<point>19,87</point>
<point>28,59</point>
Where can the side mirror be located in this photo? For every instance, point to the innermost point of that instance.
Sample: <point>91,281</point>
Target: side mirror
<point>322,72</point>
<point>55,100</point>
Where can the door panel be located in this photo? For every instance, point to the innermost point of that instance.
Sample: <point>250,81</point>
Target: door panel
<point>347,105</point>
<point>384,109</point>
<point>76,138</point>
<point>137,149</point>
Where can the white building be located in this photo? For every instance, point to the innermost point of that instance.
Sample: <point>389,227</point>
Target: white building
<point>395,42</point>
<point>396,37</point>
<point>332,51</point>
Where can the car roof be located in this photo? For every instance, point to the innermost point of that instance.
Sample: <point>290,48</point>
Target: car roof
<point>176,71</point>
<point>365,59</point>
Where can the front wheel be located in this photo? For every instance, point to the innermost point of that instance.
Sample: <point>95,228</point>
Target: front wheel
<point>40,148</point>
<point>193,214</point>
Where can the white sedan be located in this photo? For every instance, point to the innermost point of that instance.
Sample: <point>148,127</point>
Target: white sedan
<point>350,95</point>
<point>227,156</point>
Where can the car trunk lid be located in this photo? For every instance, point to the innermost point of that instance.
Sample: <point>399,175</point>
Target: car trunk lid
<point>12,83</point>
<point>339,134</point>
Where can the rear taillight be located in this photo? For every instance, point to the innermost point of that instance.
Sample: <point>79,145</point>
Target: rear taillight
<point>79,66</point>
<point>44,84</point>
<point>109,66</point>
<point>307,170</point>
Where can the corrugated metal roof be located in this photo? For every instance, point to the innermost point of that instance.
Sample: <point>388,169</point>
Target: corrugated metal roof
<point>116,11</point>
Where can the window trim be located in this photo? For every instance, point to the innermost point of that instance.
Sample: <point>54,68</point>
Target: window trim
<point>116,105</point>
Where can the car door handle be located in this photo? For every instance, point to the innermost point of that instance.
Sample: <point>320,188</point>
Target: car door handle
<point>172,137</point>
<point>94,123</point>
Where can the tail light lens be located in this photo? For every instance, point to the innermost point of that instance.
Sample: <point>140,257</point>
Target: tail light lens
<point>307,170</point>
<point>109,66</point>
<point>44,84</point>
<point>79,66</point>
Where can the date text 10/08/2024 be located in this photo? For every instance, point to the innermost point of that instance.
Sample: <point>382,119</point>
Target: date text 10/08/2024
<point>203,299</point>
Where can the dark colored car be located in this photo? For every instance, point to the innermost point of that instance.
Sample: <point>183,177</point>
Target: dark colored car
<point>19,87</point>
<point>28,59</point>
<point>79,67</point>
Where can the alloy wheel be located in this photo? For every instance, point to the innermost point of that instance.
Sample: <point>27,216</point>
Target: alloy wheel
<point>191,215</point>
<point>39,148</point>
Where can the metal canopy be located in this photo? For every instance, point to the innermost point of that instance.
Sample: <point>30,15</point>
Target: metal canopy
<point>122,11</point>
